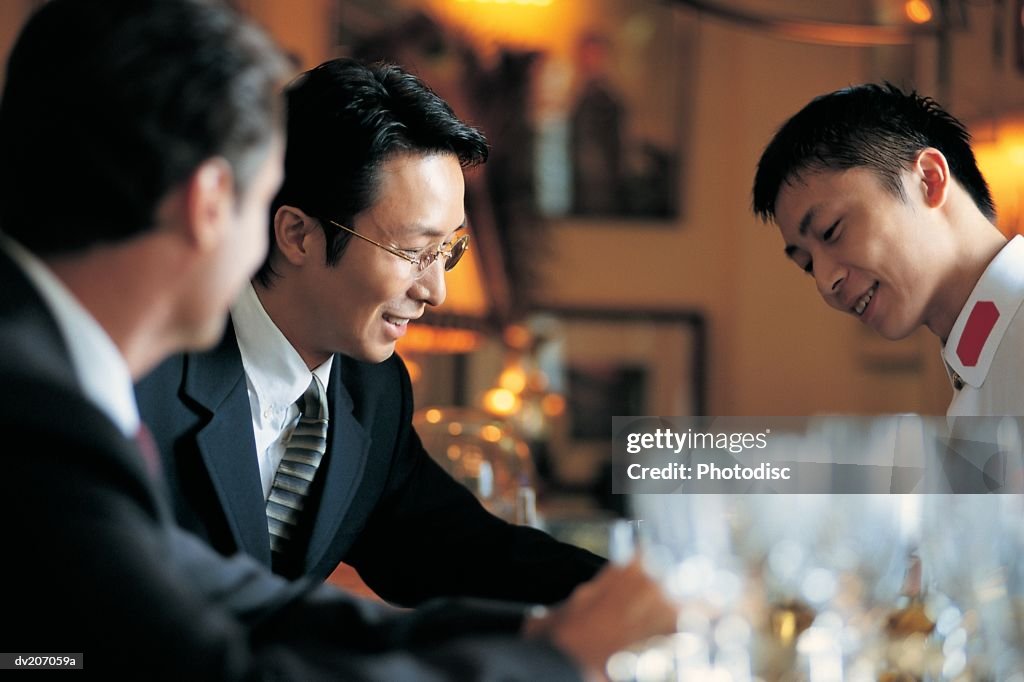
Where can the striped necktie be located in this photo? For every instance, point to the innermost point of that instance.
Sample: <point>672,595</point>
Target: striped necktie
<point>295,474</point>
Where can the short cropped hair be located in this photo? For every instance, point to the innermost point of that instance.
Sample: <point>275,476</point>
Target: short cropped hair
<point>110,104</point>
<point>345,119</point>
<point>872,126</point>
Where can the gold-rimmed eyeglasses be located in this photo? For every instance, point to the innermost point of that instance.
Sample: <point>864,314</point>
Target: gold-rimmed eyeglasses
<point>452,252</point>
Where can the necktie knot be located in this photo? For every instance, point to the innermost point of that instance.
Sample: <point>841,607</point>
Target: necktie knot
<point>312,403</point>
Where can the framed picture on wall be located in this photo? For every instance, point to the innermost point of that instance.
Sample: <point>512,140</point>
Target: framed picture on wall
<point>620,363</point>
<point>611,113</point>
<point>598,389</point>
<point>587,103</point>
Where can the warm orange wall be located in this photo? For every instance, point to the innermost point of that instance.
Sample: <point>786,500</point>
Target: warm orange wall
<point>980,85</point>
<point>304,28</point>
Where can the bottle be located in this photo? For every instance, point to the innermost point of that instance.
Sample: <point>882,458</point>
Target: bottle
<point>526,506</point>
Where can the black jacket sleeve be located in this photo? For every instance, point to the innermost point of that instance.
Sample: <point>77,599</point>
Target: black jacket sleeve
<point>429,535</point>
<point>100,569</point>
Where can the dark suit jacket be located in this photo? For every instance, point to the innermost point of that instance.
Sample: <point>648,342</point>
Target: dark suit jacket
<point>97,567</point>
<point>385,507</point>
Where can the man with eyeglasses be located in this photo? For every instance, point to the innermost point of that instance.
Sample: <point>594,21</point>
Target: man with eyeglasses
<point>367,221</point>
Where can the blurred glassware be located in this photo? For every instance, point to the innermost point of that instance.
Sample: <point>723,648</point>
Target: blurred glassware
<point>623,540</point>
<point>526,507</point>
<point>484,454</point>
<point>833,567</point>
<point>813,576</point>
<point>972,552</point>
<point>841,586</point>
<point>685,541</point>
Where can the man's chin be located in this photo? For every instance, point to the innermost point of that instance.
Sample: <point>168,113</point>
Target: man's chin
<point>890,333</point>
<point>375,355</point>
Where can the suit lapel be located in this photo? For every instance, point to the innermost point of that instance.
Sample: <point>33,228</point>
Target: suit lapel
<point>216,380</point>
<point>348,447</point>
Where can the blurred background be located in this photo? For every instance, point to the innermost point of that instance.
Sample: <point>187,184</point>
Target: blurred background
<point>616,267</point>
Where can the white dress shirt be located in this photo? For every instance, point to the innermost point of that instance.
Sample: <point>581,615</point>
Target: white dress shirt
<point>98,364</point>
<point>275,376</point>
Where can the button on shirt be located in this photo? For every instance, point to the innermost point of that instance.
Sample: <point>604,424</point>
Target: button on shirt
<point>99,366</point>
<point>984,353</point>
<point>275,377</point>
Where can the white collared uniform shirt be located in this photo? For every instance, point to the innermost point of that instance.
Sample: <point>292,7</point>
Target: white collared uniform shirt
<point>994,384</point>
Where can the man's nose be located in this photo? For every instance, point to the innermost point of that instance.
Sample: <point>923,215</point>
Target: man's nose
<point>829,276</point>
<point>429,287</point>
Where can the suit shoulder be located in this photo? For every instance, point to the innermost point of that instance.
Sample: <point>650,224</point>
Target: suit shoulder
<point>79,422</point>
<point>168,372</point>
<point>159,392</point>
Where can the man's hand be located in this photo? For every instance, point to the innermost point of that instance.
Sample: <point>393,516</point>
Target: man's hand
<point>619,607</point>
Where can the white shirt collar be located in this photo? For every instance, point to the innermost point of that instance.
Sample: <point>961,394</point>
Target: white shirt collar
<point>277,372</point>
<point>1001,288</point>
<point>98,364</point>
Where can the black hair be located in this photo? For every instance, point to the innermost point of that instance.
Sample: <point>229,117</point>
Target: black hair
<point>874,126</point>
<point>345,119</point>
<point>109,104</point>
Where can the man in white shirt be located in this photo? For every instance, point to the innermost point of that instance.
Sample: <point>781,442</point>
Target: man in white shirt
<point>368,220</point>
<point>878,197</point>
<point>140,146</point>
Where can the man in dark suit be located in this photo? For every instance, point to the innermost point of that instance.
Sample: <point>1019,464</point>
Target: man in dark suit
<point>140,146</point>
<point>367,221</point>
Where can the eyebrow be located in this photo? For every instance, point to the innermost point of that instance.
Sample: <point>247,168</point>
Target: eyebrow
<point>805,225</point>
<point>805,222</point>
<point>417,230</point>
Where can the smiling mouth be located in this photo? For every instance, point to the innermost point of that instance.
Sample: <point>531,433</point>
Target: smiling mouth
<point>862,303</point>
<point>397,321</point>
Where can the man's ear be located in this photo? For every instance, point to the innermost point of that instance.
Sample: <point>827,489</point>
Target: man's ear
<point>294,232</point>
<point>932,171</point>
<point>209,202</point>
